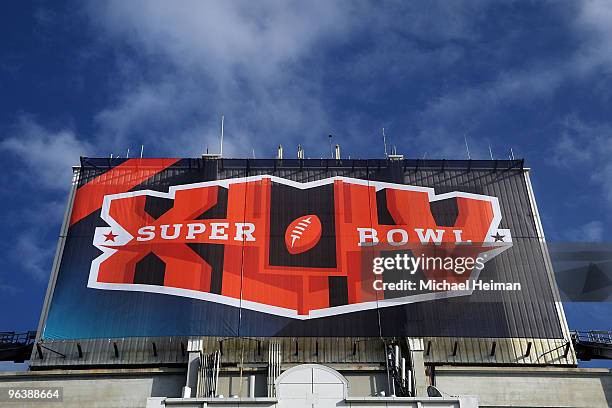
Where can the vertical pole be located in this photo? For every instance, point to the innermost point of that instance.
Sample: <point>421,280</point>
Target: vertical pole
<point>396,352</point>
<point>221,152</point>
<point>384,141</point>
<point>387,357</point>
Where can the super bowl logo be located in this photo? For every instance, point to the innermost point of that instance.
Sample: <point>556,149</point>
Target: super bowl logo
<point>299,250</point>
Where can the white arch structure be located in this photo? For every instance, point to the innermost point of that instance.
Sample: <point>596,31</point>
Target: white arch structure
<point>309,386</point>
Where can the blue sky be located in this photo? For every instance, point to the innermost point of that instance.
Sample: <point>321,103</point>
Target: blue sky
<point>95,78</point>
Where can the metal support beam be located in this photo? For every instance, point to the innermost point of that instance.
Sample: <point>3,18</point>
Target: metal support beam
<point>418,366</point>
<point>194,350</point>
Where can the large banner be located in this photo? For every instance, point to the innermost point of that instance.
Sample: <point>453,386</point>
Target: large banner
<point>158,247</point>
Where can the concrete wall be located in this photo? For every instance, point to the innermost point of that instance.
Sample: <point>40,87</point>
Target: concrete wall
<point>387,402</point>
<point>365,380</point>
<point>98,388</point>
<point>365,383</point>
<point>316,385</point>
<point>231,384</point>
<point>493,386</point>
<point>528,386</point>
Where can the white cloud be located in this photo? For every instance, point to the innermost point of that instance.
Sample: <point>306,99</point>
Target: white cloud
<point>588,146</point>
<point>259,63</point>
<point>589,232</point>
<point>567,151</point>
<point>257,39</point>
<point>593,24</point>
<point>45,160</point>
<point>582,143</point>
<point>34,242</point>
<point>33,252</point>
<point>48,154</point>
<point>446,117</point>
<point>42,212</point>
<point>243,59</point>
<point>9,289</point>
<point>34,246</point>
<point>181,67</point>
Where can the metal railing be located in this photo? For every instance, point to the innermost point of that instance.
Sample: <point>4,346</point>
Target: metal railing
<point>17,338</point>
<point>601,337</point>
<point>592,344</point>
<point>16,347</point>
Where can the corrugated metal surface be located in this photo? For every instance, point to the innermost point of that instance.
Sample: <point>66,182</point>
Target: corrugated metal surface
<point>480,351</point>
<point>173,350</point>
<point>96,352</point>
<point>503,179</point>
<point>324,350</point>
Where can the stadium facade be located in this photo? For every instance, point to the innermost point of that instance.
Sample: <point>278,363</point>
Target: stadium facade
<point>302,282</point>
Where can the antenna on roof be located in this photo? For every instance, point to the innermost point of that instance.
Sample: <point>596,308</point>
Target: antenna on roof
<point>490,152</point>
<point>337,152</point>
<point>141,150</point>
<point>127,155</point>
<point>467,148</point>
<point>384,141</point>
<point>511,153</point>
<point>331,152</point>
<point>300,153</point>
<point>253,151</point>
<point>219,155</point>
<point>394,155</point>
<point>221,151</point>
<point>279,154</point>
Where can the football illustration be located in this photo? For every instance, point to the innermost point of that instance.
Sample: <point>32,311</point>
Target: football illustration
<point>303,234</point>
